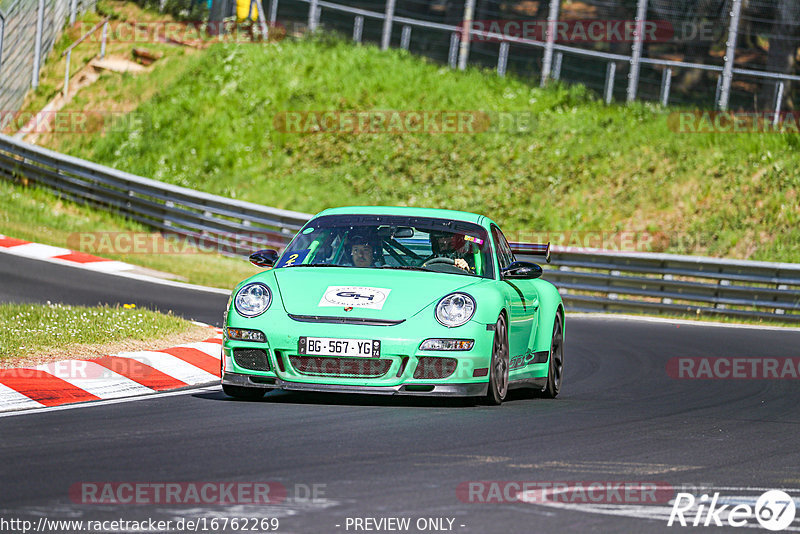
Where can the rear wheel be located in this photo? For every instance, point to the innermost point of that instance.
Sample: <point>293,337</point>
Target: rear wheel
<point>498,368</point>
<point>241,392</point>
<point>556,368</point>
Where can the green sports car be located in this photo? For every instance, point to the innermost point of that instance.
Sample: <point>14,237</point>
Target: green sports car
<point>397,301</point>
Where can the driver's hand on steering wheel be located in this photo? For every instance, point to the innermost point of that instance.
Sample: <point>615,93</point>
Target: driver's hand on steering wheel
<point>461,263</point>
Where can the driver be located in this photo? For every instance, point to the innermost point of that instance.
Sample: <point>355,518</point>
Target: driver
<point>449,245</point>
<point>361,249</point>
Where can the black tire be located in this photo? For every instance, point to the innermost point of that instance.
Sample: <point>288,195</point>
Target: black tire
<point>241,392</point>
<point>555,370</point>
<point>498,367</point>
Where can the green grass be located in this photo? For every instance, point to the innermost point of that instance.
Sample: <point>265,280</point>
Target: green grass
<point>581,166</point>
<point>37,329</point>
<point>36,215</point>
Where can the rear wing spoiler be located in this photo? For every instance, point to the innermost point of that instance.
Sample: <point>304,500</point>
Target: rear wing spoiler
<point>532,249</point>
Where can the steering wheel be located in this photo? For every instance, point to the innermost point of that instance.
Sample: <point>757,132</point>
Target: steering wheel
<point>439,260</point>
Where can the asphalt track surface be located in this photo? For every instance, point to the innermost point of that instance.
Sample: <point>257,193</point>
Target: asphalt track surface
<point>620,417</point>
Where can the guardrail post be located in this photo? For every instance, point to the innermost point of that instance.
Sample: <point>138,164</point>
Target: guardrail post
<point>666,81</point>
<point>636,51</point>
<point>37,47</point>
<point>386,37</point>
<point>502,59</point>
<point>312,15</point>
<point>103,43</point>
<point>452,56</point>
<point>466,35</point>
<point>608,90</point>
<point>358,28</point>
<point>666,300</point>
<point>547,61</point>
<point>730,53</point>
<point>405,37</point>
<point>778,102</point>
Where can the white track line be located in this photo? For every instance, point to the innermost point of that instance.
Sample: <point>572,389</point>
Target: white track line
<point>203,388</point>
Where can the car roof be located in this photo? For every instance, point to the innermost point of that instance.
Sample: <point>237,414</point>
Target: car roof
<point>408,211</point>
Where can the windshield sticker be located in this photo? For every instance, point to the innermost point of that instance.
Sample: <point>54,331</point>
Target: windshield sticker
<point>294,258</point>
<point>308,230</point>
<point>477,240</point>
<point>371,298</point>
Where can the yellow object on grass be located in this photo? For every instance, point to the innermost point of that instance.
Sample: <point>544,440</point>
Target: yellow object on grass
<point>243,10</point>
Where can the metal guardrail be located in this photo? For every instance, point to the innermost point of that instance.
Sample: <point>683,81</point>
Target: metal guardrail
<point>588,280</point>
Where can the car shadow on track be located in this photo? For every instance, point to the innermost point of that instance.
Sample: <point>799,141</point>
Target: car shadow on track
<point>351,399</point>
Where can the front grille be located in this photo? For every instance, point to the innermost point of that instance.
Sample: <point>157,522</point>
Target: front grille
<point>430,367</point>
<point>252,359</point>
<point>341,367</point>
<point>345,320</point>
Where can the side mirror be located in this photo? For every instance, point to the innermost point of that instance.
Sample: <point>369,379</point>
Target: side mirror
<point>264,258</point>
<point>522,270</point>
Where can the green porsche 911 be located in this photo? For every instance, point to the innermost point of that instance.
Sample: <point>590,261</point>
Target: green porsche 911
<point>395,301</point>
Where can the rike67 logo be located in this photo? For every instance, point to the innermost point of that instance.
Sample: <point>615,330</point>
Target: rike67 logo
<point>773,510</point>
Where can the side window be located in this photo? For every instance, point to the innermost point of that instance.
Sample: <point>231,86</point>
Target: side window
<point>504,255</point>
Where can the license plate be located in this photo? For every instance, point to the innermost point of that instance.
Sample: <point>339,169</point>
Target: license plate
<point>326,346</point>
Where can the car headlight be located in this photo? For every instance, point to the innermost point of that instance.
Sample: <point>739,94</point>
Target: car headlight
<point>455,309</point>
<point>252,300</point>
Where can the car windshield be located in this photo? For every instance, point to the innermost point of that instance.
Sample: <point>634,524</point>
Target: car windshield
<point>392,242</point>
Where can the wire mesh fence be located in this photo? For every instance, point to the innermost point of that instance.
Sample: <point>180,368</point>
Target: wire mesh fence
<point>728,54</point>
<point>28,31</point>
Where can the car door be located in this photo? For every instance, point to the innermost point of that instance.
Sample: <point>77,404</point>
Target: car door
<point>524,305</point>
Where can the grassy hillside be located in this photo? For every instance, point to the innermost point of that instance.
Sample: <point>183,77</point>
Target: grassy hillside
<point>580,165</point>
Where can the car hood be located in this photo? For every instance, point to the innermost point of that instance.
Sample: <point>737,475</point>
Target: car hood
<point>372,293</point>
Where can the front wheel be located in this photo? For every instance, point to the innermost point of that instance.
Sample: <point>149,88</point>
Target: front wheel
<point>556,368</point>
<point>498,368</point>
<point>241,392</point>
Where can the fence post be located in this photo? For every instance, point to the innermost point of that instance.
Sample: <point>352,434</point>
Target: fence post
<point>66,74</point>
<point>502,59</point>
<point>358,28</point>
<point>405,38</point>
<point>556,73</point>
<point>312,15</point>
<point>778,103</point>
<point>452,56</point>
<point>73,11</point>
<point>636,51</point>
<point>730,53</point>
<point>37,47</point>
<point>273,12</point>
<point>386,37</point>
<point>611,71</point>
<point>466,26</point>
<point>547,61</point>
<point>103,43</point>
<point>2,35</point>
<point>666,81</point>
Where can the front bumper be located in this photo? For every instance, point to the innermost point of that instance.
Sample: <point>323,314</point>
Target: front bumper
<point>430,390</point>
<point>395,372</point>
